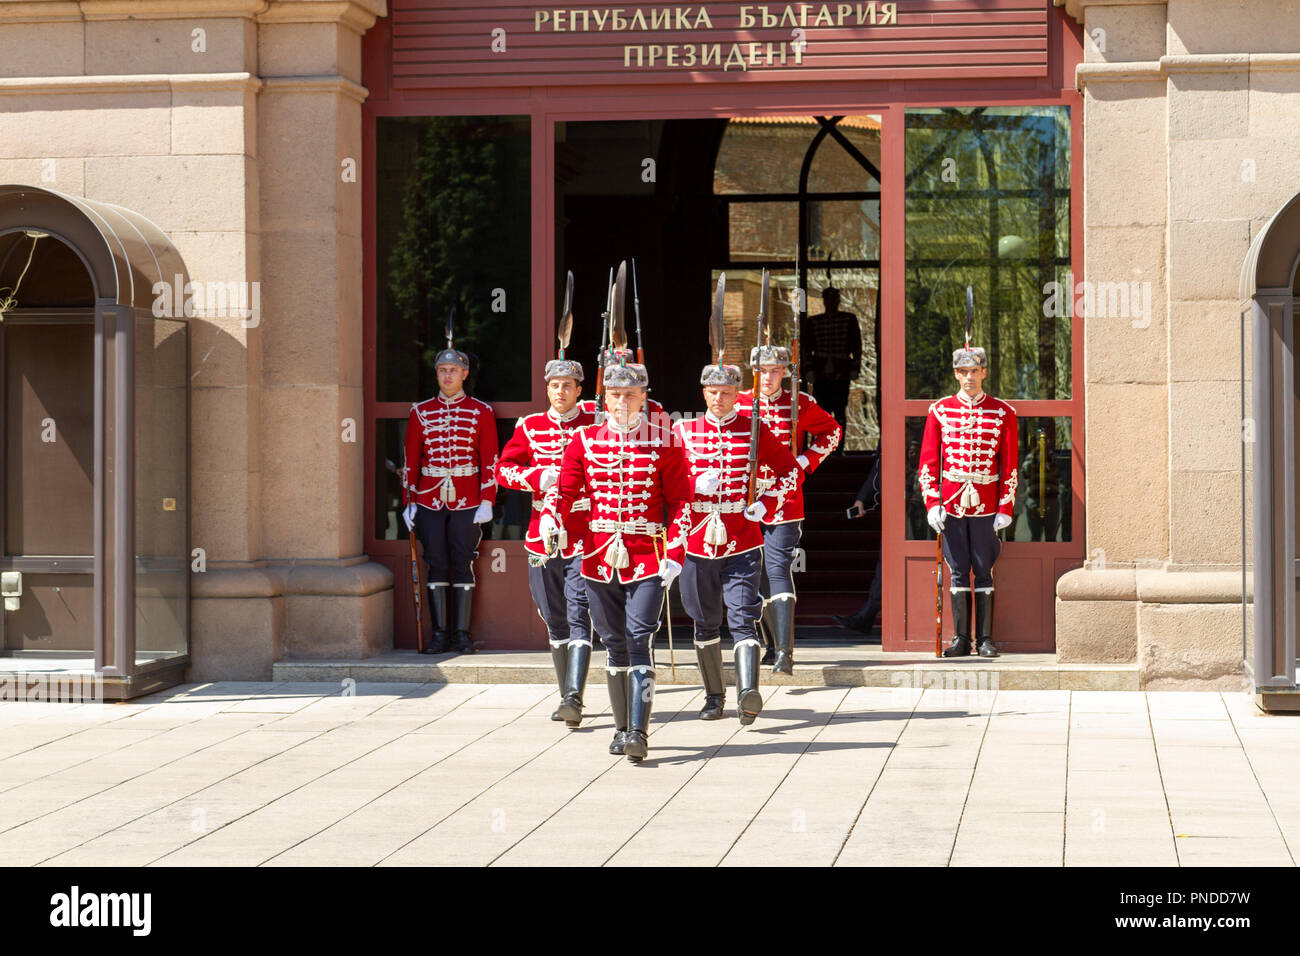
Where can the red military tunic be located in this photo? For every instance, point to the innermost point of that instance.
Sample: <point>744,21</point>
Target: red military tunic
<point>639,489</point>
<point>723,446</point>
<point>976,441</point>
<point>451,453</point>
<point>819,435</point>
<point>537,444</point>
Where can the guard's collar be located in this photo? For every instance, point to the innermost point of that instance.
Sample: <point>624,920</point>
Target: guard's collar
<point>556,417</point>
<point>775,396</point>
<point>971,402</point>
<point>633,423</point>
<point>714,420</point>
<point>453,400</point>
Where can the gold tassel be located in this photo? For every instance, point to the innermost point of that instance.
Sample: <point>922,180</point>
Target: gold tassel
<point>715,530</point>
<point>616,555</point>
<point>564,539</point>
<point>448,490</point>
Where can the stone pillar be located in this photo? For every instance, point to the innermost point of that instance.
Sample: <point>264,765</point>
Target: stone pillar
<point>338,603</point>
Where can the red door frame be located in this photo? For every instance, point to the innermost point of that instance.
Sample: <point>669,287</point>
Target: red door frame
<point>888,99</point>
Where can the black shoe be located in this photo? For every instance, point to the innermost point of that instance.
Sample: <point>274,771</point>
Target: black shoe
<point>712,709</point>
<point>635,746</point>
<point>464,643</point>
<point>618,743</point>
<point>984,623</point>
<point>769,655</point>
<point>849,622</point>
<point>439,643</point>
<point>960,647</point>
<point>570,710</point>
<point>988,649</point>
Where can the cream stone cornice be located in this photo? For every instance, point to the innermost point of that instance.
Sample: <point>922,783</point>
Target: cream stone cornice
<point>128,83</point>
<point>1168,66</point>
<point>1075,8</point>
<point>315,84</point>
<point>357,15</point>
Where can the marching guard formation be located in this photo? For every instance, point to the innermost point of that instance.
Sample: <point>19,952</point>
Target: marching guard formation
<point>625,502</point>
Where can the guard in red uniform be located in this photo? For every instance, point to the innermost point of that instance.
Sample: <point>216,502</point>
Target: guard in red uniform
<point>968,474</point>
<point>634,542</point>
<point>449,489</point>
<point>819,435</point>
<point>724,548</point>
<point>531,462</point>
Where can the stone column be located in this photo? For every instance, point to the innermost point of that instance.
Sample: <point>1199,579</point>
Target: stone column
<point>337,602</point>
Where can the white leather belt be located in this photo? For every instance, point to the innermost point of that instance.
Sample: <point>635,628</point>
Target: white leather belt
<point>433,471</point>
<point>582,504</point>
<point>636,526</point>
<point>725,507</point>
<point>971,477</point>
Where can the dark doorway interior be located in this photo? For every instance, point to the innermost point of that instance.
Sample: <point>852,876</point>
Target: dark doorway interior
<point>689,198</point>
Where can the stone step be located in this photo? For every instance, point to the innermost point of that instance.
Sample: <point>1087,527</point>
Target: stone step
<point>849,666</point>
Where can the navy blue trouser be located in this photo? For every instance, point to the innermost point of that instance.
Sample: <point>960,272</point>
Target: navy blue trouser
<point>626,618</point>
<point>450,540</point>
<point>970,547</point>
<point>711,586</point>
<point>560,593</point>
<point>779,542</point>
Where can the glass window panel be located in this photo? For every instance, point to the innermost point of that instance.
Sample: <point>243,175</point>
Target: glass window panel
<point>1044,503</point>
<point>844,229</point>
<point>762,230</point>
<point>835,170</point>
<point>987,205</point>
<point>162,572</point>
<point>453,228</point>
<point>762,155</point>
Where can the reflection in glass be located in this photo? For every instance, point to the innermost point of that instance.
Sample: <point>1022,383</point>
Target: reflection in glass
<point>1044,506</point>
<point>987,205</point>
<point>162,573</point>
<point>453,215</point>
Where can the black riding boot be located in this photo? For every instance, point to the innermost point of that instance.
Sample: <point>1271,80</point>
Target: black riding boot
<point>749,702</point>
<point>763,628</point>
<point>640,697</point>
<point>960,645</point>
<point>709,658</point>
<point>617,683</point>
<point>559,658</point>
<point>439,614</point>
<point>783,627</point>
<point>463,606</point>
<point>984,623</point>
<point>575,683</point>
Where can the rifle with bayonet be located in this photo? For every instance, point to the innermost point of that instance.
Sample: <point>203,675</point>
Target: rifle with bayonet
<point>636,305</point>
<point>799,306</point>
<point>756,415</point>
<point>600,351</point>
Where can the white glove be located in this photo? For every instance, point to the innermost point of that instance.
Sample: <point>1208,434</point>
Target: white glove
<point>803,462</point>
<point>708,482</point>
<point>756,511</point>
<point>668,571</point>
<point>483,513</point>
<point>1001,521</point>
<point>549,477</point>
<point>935,516</point>
<point>549,529</point>
<point>408,515</point>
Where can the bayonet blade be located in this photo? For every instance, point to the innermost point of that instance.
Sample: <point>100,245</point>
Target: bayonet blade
<point>717,332</point>
<point>970,313</point>
<point>618,331</point>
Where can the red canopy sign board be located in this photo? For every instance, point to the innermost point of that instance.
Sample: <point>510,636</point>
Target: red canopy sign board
<point>503,43</point>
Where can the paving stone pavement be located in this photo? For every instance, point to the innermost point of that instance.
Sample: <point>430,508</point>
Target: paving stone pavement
<point>288,774</point>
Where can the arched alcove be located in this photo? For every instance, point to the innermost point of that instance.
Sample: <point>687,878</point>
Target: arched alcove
<point>94,487</point>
